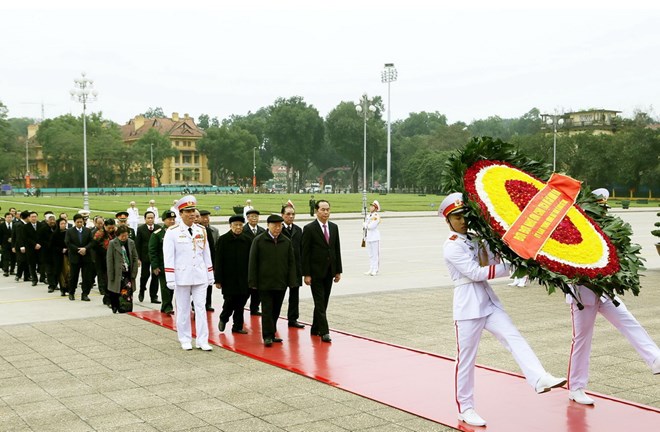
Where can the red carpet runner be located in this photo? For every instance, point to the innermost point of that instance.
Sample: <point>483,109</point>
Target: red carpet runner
<point>422,383</point>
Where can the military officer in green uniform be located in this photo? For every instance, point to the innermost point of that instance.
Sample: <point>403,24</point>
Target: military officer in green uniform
<point>157,262</point>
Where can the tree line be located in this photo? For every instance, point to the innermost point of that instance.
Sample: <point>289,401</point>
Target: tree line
<point>292,132</point>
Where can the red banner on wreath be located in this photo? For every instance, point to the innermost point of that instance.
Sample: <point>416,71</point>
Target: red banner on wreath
<point>541,216</point>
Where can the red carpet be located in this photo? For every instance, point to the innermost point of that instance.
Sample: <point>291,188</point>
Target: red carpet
<point>422,383</point>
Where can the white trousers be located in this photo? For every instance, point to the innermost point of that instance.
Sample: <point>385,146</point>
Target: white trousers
<point>182,294</point>
<point>373,248</point>
<point>468,335</point>
<point>583,331</point>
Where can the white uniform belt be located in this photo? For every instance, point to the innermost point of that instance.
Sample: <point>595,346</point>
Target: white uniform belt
<point>462,281</point>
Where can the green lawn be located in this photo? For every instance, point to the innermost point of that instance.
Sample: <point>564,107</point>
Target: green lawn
<point>266,203</point>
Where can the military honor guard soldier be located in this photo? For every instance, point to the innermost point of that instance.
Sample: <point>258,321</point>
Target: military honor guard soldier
<point>188,271</point>
<point>583,330</point>
<point>372,237</point>
<point>476,307</point>
<point>157,261</point>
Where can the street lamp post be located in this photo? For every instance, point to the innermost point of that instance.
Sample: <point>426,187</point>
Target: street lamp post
<point>554,120</point>
<point>153,172</point>
<point>365,108</point>
<point>388,75</point>
<point>84,93</point>
<point>254,169</point>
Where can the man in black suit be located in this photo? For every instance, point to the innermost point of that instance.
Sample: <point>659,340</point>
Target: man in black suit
<point>142,238</point>
<point>17,239</point>
<point>8,257</point>
<point>321,264</point>
<point>294,233</point>
<point>78,240</point>
<point>251,230</point>
<point>27,244</point>
<point>47,256</point>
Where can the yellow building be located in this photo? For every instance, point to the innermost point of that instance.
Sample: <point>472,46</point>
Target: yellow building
<point>190,166</point>
<point>595,121</point>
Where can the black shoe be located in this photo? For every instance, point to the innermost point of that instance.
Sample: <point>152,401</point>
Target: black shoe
<point>326,338</point>
<point>11,272</point>
<point>278,340</point>
<point>50,290</point>
<point>239,331</point>
<point>63,293</point>
<point>84,297</point>
<point>268,342</point>
<point>34,283</point>
<point>72,297</point>
<point>222,325</point>
<point>43,281</point>
<point>255,313</point>
<point>141,297</point>
<point>296,324</point>
<point>210,309</point>
<point>155,301</point>
<point>17,279</point>
<point>5,274</point>
<point>114,309</point>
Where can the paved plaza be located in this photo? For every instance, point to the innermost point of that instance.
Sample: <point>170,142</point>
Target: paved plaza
<point>73,366</point>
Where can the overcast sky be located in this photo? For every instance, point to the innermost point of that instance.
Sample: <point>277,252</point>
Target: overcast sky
<point>467,62</point>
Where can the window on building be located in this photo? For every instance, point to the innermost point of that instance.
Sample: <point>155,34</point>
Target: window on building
<point>186,157</point>
<point>177,174</point>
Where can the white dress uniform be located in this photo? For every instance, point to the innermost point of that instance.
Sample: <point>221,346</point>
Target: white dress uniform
<point>372,241</point>
<point>133,217</point>
<point>476,307</point>
<point>189,271</point>
<point>583,330</point>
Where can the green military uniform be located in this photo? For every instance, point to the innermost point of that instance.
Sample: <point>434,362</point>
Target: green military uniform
<point>158,262</point>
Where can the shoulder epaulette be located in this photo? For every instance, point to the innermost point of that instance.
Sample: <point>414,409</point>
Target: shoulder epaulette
<point>454,237</point>
<point>173,226</point>
<point>158,230</point>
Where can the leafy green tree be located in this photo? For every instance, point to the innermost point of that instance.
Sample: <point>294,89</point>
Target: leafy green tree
<point>256,123</point>
<point>154,113</point>
<point>345,132</point>
<point>155,144</point>
<point>62,142</point>
<point>421,123</point>
<point>8,147</point>
<point>294,130</point>
<point>229,150</point>
<point>204,121</point>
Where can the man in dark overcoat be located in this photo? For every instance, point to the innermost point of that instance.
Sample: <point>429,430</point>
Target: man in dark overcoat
<point>272,268</point>
<point>232,253</point>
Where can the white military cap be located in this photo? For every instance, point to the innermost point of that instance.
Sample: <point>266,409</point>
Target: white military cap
<point>188,202</point>
<point>452,204</point>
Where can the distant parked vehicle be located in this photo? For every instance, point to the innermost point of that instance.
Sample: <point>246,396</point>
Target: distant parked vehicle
<point>327,189</point>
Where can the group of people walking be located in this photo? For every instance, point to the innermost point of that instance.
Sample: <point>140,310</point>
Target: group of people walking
<point>250,261</point>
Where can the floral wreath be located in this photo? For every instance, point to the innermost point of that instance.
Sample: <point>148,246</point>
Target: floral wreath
<point>588,246</point>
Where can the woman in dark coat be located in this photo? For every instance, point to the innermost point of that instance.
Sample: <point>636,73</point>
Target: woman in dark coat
<point>122,261</point>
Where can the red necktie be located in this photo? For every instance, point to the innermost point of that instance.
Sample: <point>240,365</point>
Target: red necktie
<point>326,234</point>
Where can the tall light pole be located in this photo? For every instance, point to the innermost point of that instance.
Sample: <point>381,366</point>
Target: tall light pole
<point>388,75</point>
<point>254,169</point>
<point>84,93</point>
<point>153,172</point>
<point>364,108</point>
<point>554,120</point>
